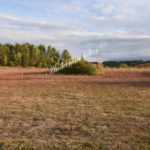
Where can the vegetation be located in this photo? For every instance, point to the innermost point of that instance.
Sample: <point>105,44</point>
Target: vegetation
<point>117,64</point>
<point>28,55</point>
<point>109,112</point>
<point>80,67</point>
<point>123,65</point>
<point>147,65</point>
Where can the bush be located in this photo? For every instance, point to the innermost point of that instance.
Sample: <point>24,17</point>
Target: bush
<point>123,65</point>
<point>100,68</point>
<point>89,69</point>
<point>80,67</point>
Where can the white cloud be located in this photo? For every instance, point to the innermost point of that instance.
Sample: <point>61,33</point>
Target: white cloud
<point>100,5</point>
<point>108,9</point>
<point>4,18</point>
<point>105,9</point>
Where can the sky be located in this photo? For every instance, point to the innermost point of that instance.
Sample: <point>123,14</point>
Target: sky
<point>80,26</point>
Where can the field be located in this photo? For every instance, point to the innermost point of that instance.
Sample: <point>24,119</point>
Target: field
<point>74,112</point>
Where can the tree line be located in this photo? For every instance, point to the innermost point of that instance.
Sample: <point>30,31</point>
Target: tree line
<point>29,55</point>
<point>117,64</point>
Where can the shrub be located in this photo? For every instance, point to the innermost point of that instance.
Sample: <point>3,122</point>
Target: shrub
<point>100,68</point>
<point>80,67</point>
<point>89,69</point>
<point>123,65</point>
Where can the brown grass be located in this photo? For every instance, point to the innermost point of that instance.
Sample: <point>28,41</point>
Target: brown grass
<point>74,112</point>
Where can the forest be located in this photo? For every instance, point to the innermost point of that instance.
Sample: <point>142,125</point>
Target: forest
<point>117,64</point>
<point>29,55</point>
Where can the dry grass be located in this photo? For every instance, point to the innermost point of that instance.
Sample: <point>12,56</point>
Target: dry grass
<point>74,112</point>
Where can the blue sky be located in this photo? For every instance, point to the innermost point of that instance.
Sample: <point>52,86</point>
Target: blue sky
<point>80,25</point>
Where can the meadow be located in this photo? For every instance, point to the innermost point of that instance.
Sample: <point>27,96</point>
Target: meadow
<point>109,112</point>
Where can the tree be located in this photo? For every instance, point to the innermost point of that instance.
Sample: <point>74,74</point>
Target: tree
<point>34,54</point>
<point>18,59</point>
<point>42,48</point>
<point>50,61</point>
<point>5,61</point>
<point>56,54</point>
<point>16,48</point>
<point>53,53</point>
<point>4,54</point>
<point>12,64</point>
<point>49,50</point>
<point>10,46</point>
<point>42,60</point>
<point>25,56</point>
<point>65,55</point>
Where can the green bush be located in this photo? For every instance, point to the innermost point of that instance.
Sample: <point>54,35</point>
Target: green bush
<point>80,67</point>
<point>123,65</point>
<point>89,69</point>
